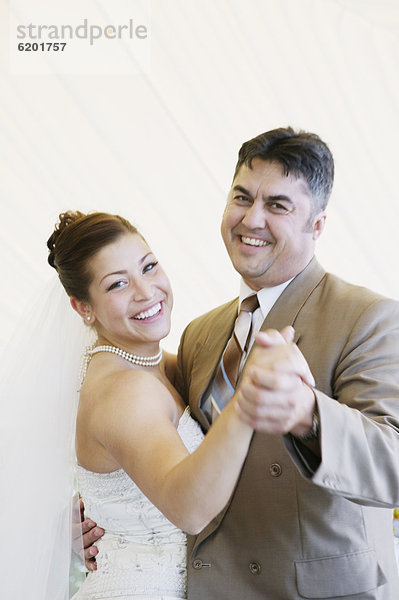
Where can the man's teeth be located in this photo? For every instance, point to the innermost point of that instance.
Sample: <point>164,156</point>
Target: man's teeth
<point>146,314</point>
<point>253,241</point>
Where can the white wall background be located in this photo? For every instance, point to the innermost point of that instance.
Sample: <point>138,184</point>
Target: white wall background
<point>160,147</point>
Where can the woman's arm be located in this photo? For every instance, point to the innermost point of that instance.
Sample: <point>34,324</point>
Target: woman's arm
<point>134,422</point>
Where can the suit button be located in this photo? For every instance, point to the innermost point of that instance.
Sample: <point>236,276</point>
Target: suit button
<point>197,563</point>
<point>254,567</point>
<point>275,470</point>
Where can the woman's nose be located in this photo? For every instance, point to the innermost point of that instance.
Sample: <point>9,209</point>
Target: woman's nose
<point>143,290</point>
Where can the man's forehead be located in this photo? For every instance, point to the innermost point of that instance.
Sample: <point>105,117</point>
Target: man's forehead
<point>270,172</point>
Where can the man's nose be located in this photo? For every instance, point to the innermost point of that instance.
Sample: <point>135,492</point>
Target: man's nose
<point>255,217</point>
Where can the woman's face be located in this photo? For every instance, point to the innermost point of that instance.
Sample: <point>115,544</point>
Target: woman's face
<point>130,296</point>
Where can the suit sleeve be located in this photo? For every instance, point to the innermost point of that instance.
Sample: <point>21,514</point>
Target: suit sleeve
<point>181,377</point>
<point>359,426</point>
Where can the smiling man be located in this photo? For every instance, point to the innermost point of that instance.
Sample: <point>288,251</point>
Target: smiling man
<point>269,225</point>
<point>311,516</point>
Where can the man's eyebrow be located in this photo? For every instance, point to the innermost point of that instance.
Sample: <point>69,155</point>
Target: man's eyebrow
<point>279,198</point>
<point>240,188</point>
<point>271,198</point>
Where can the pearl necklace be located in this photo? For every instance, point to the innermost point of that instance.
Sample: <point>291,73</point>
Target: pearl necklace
<point>141,361</point>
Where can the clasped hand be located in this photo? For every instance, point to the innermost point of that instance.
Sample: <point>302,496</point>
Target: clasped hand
<point>275,392</point>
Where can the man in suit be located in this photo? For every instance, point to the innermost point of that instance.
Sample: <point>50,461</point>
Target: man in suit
<point>311,515</point>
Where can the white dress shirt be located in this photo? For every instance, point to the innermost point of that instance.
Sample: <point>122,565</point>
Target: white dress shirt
<point>267,298</point>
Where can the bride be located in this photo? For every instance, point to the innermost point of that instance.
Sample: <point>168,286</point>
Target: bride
<point>143,470</point>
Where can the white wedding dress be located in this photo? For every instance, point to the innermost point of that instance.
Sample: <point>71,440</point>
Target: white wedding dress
<point>141,555</point>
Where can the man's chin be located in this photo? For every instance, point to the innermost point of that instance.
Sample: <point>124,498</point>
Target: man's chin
<point>254,279</point>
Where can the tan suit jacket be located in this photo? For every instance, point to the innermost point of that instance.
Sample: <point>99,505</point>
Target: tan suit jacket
<point>289,532</point>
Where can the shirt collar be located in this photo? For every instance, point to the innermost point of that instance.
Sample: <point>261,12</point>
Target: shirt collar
<point>267,296</point>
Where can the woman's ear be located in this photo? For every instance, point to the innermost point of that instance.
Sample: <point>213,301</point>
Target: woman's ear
<point>83,309</point>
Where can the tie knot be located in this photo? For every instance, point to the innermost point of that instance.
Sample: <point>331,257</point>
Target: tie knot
<point>250,304</point>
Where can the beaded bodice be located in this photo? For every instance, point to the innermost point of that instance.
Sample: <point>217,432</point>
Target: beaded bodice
<point>141,552</point>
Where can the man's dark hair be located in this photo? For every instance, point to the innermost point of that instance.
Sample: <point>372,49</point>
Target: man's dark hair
<point>300,153</point>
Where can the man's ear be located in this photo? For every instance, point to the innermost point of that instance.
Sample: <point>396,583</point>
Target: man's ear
<point>318,225</point>
<point>83,309</point>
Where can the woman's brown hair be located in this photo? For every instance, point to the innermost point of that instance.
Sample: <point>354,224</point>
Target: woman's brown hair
<point>75,239</point>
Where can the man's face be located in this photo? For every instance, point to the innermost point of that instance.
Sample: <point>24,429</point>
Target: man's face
<point>267,226</point>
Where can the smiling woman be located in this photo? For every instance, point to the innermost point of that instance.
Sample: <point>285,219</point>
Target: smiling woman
<point>130,296</point>
<point>143,471</point>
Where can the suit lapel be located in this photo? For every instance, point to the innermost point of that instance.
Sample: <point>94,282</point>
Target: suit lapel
<point>286,309</point>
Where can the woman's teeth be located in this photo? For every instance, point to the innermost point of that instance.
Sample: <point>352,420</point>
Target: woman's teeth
<point>146,314</point>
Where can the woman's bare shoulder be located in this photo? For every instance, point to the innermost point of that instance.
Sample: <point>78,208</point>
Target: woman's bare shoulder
<point>126,400</point>
<point>126,386</point>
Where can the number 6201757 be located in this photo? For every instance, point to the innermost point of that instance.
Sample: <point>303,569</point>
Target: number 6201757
<point>42,46</point>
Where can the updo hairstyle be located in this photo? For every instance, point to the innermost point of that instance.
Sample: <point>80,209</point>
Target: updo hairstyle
<point>76,238</point>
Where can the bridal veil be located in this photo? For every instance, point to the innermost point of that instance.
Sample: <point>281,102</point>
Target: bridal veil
<point>39,379</point>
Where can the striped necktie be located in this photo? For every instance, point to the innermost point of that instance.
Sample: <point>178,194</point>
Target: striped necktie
<point>229,367</point>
